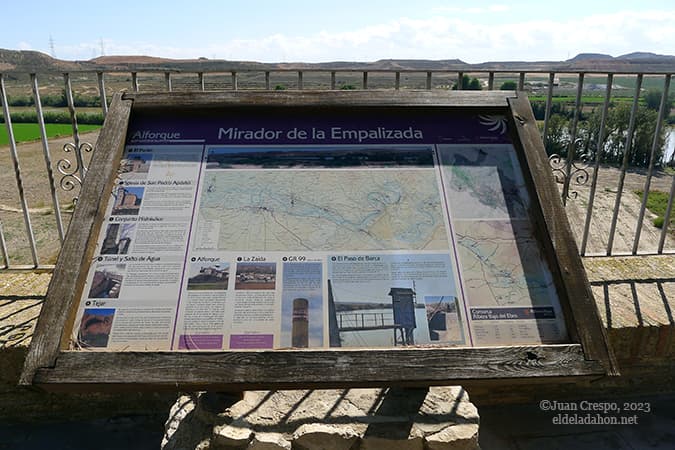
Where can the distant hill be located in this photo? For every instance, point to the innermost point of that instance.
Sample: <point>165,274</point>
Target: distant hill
<point>645,56</point>
<point>590,57</point>
<point>32,61</point>
<point>28,61</point>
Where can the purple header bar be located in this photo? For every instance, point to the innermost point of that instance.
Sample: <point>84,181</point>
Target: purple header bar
<point>303,127</point>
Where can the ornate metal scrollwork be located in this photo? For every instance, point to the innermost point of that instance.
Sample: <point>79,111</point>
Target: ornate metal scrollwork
<point>73,173</point>
<point>567,174</point>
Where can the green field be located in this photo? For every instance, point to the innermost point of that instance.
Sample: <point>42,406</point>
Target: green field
<point>25,132</point>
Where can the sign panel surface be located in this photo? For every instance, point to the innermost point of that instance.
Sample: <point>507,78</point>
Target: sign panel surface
<point>244,229</point>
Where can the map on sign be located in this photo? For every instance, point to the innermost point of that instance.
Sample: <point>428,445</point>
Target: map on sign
<point>323,210</point>
<point>502,264</point>
<point>484,182</point>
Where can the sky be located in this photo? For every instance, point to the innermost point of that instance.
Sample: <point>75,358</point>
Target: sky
<point>346,30</point>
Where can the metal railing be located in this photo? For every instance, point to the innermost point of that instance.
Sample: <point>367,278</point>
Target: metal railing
<point>572,172</point>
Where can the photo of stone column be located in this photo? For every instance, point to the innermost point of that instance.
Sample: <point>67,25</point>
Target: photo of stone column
<point>300,323</point>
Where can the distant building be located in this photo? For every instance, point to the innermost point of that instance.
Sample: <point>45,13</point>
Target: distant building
<point>135,164</point>
<point>403,302</point>
<point>126,202</point>
<point>214,272</point>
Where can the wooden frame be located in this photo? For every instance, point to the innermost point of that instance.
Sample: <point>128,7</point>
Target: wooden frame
<point>49,365</point>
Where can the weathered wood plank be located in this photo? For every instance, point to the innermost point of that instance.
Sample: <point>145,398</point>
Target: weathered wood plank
<point>653,268</point>
<point>322,368</point>
<point>321,98</point>
<point>78,247</point>
<point>578,305</point>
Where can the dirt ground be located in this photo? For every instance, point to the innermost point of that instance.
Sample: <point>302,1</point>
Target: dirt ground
<point>603,208</point>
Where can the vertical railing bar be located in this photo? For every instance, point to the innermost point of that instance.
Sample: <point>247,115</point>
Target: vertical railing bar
<point>598,153</point>
<point>365,80</point>
<point>3,248</point>
<point>666,217</point>
<point>47,156</point>
<point>547,109</point>
<point>652,160</point>
<point>101,93</point>
<point>134,81</point>
<point>300,84</point>
<point>234,80</point>
<point>17,171</point>
<point>491,81</point>
<point>73,120</point>
<point>332,80</point>
<point>521,81</point>
<point>460,77</point>
<point>428,81</point>
<point>267,80</point>
<point>200,78</point>
<point>624,164</point>
<point>571,148</point>
<point>167,81</point>
<point>397,81</point>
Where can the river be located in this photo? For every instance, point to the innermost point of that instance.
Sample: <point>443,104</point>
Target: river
<point>670,144</point>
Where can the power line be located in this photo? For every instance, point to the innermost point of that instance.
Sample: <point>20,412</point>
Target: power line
<point>52,47</point>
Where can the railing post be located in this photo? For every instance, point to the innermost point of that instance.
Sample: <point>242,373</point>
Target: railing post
<point>428,81</point>
<point>624,163</point>
<point>134,81</point>
<point>491,81</point>
<point>47,156</point>
<point>73,120</point>
<point>521,81</point>
<point>267,80</point>
<point>666,217</point>
<point>460,79</point>
<point>3,248</point>
<point>234,81</point>
<point>598,153</point>
<point>571,148</point>
<point>300,84</point>
<point>167,81</point>
<point>17,173</point>
<point>332,80</point>
<point>397,82</point>
<point>365,80</point>
<point>547,112</point>
<point>101,93</point>
<point>652,160</point>
<point>200,79</point>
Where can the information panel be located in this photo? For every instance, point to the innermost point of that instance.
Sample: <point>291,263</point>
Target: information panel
<point>251,229</point>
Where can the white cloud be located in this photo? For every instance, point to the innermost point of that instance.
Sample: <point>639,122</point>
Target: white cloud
<point>471,10</point>
<point>24,46</point>
<point>438,37</point>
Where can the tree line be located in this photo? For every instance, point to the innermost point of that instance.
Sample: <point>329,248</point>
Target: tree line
<point>615,135</point>
<point>56,100</point>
